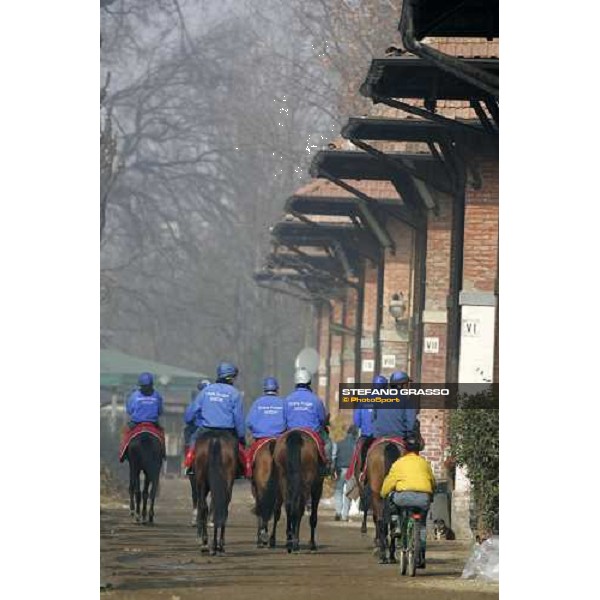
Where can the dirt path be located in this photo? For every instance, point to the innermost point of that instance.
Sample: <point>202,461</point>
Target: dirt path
<point>164,561</point>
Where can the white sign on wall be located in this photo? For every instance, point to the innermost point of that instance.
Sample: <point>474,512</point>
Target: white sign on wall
<point>322,381</point>
<point>431,345</point>
<point>471,327</point>
<point>368,365</point>
<point>389,361</point>
<point>477,344</point>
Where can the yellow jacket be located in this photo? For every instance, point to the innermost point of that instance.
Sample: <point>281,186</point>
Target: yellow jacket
<point>410,473</point>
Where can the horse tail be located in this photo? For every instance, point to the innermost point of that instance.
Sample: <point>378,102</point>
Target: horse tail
<point>217,483</point>
<point>293,446</point>
<point>266,504</point>
<point>391,453</point>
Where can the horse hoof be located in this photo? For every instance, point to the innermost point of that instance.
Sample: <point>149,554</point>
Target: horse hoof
<point>393,561</point>
<point>272,544</point>
<point>204,550</point>
<point>363,529</point>
<point>383,561</point>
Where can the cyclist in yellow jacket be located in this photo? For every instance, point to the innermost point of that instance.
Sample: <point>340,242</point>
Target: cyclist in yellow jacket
<point>410,483</point>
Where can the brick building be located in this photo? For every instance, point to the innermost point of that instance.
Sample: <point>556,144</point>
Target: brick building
<point>403,212</point>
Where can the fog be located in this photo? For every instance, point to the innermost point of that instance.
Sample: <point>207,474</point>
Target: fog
<point>210,113</point>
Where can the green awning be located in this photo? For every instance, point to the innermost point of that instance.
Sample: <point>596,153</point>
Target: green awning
<point>120,370</point>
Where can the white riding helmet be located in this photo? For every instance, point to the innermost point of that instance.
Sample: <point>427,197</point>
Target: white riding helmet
<point>302,376</point>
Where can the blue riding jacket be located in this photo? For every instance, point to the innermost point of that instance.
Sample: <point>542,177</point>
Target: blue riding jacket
<point>144,409</point>
<point>265,418</point>
<point>218,406</point>
<point>394,421</point>
<point>302,408</point>
<point>363,418</point>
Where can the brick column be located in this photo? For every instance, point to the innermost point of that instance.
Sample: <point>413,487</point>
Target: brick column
<point>335,363</point>
<point>399,277</point>
<point>434,425</point>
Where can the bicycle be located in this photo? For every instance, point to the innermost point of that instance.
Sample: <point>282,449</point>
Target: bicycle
<point>409,540</point>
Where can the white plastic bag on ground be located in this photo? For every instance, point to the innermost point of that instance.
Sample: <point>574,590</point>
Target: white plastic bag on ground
<point>483,564</point>
<point>354,508</point>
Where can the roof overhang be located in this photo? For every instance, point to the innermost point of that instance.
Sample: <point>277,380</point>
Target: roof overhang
<point>410,77</point>
<point>456,18</point>
<point>354,241</point>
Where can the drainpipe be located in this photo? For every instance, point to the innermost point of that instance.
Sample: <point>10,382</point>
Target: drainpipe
<point>360,303</point>
<point>451,64</point>
<point>456,278</point>
<point>379,311</point>
<point>421,270</point>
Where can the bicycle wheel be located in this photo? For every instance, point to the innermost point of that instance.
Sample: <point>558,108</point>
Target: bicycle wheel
<point>412,555</point>
<point>402,561</point>
<point>417,544</point>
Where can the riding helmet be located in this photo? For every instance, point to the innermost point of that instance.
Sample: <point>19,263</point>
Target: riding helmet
<point>145,379</point>
<point>399,377</point>
<point>270,384</point>
<point>226,370</point>
<point>202,383</point>
<point>302,376</point>
<point>380,380</point>
<point>411,443</point>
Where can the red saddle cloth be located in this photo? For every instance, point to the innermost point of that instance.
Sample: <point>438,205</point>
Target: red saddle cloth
<point>190,456</point>
<point>140,428</point>
<point>318,440</point>
<point>354,459</point>
<point>251,453</point>
<point>382,440</point>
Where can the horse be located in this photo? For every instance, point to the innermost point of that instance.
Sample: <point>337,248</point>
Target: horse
<point>379,460</point>
<point>215,468</point>
<point>144,453</point>
<point>364,490</point>
<point>267,499</point>
<point>300,477</point>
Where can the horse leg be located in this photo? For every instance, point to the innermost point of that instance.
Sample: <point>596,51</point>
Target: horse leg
<point>213,551</point>
<point>153,491</point>
<point>131,488</point>
<point>145,497</point>
<point>201,520</point>
<point>192,479</point>
<point>365,508</point>
<point>289,527</point>
<point>276,517</point>
<point>315,496</point>
<point>221,546</point>
<point>381,532</point>
<point>388,531</point>
<point>138,496</point>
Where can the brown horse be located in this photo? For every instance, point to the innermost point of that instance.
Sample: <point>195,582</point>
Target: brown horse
<point>266,495</point>
<point>300,477</point>
<point>379,461</point>
<point>145,454</point>
<point>215,467</point>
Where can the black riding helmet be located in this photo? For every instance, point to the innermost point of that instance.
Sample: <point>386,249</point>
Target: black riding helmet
<point>412,443</point>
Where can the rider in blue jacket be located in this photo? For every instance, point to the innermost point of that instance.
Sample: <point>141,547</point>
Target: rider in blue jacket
<point>363,419</point>
<point>145,404</point>
<point>219,405</point>
<point>303,408</point>
<point>189,418</point>
<point>265,418</point>
<point>395,421</point>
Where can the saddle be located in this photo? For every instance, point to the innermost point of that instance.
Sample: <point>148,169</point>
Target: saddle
<point>382,440</point>
<point>190,456</point>
<point>251,453</point>
<point>317,439</point>
<point>140,428</point>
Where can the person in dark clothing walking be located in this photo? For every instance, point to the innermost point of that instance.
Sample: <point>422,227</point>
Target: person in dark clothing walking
<point>345,450</point>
